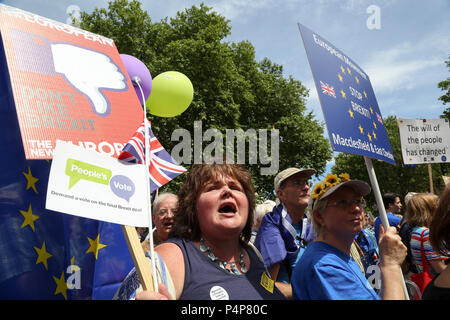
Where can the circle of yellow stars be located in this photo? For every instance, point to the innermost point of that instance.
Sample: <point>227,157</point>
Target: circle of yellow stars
<point>347,71</point>
<point>42,254</point>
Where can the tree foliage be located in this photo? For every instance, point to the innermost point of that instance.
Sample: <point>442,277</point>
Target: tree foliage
<point>397,178</point>
<point>231,89</point>
<point>445,86</point>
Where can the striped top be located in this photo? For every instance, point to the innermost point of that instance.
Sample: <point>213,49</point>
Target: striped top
<point>430,254</point>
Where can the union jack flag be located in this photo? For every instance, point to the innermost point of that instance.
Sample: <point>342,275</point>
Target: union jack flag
<point>163,168</point>
<point>380,119</point>
<point>327,89</point>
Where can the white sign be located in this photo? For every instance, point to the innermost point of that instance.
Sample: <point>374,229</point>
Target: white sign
<point>92,185</point>
<point>424,140</point>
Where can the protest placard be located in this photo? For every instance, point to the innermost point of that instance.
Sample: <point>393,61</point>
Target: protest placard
<point>349,105</point>
<point>67,84</point>
<point>89,184</point>
<point>424,140</point>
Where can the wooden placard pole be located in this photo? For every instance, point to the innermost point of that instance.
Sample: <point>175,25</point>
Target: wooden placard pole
<point>138,256</point>
<point>430,175</point>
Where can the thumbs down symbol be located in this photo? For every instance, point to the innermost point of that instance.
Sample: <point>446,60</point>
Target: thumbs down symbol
<point>90,72</point>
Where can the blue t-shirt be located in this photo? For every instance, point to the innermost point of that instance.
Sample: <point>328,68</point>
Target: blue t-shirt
<point>393,222</point>
<point>326,273</point>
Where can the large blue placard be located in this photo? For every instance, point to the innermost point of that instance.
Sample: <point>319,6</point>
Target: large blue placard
<point>349,105</point>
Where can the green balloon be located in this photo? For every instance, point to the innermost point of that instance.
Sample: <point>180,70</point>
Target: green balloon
<point>172,93</point>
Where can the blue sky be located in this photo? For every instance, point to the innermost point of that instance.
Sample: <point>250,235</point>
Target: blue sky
<point>404,57</point>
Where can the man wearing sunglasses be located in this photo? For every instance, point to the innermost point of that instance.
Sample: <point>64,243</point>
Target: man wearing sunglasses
<point>326,271</point>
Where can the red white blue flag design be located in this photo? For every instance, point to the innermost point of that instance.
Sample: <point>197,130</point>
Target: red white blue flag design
<point>327,89</point>
<point>163,168</point>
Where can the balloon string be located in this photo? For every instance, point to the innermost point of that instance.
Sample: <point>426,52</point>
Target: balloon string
<point>149,210</point>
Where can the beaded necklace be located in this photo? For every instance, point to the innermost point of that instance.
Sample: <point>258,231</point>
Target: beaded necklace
<point>223,264</point>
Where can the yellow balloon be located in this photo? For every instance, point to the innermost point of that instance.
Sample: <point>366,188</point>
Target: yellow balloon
<point>172,93</point>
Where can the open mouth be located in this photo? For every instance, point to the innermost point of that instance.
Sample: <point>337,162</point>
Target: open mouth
<point>228,208</point>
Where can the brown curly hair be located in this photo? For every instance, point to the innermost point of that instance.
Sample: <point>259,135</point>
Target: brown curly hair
<point>186,223</point>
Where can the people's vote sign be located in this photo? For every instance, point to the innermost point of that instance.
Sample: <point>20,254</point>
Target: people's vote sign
<point>350,109</point>
<point>67,84</point>
<point>424,140</point>
<point>93,185</point>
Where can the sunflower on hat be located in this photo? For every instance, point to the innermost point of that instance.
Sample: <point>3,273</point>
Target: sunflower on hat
<point>330,181</point>
<point>318,190</point>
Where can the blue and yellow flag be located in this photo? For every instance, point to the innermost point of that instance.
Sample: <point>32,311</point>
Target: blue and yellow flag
<point>349,105</point>
<point>46,254</point>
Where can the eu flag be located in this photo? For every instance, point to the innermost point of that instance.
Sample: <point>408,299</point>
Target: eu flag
<point>46,254</point>
<point>349,105</point>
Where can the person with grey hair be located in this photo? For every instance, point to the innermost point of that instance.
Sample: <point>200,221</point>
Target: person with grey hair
<point>326,270</point>
<point>260,211</point>
<point>163,218</point>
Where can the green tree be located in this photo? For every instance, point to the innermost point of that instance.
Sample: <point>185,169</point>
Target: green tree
<point>445,86</point>
<point>445,98</point>
<point>231,89</point>
<point>391,178</point>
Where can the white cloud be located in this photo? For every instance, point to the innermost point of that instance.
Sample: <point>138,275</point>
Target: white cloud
<point>233,9</point>
<point>407,65</point>
<point>398,74</point>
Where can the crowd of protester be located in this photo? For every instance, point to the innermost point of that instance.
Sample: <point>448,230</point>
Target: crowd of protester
<point>321,242</point>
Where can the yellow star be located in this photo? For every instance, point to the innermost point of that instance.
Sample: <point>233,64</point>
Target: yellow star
<point>374,124</point>
<point>340,77</point>
<point>370,137</point>
<point>371,110</point>
<point>343,93</point>
<point>72,263</point>
<point>374,135</point>
<point>365,94</point>
<point>342,69</point>
<point>61,285</point>
<point>357,80</point>
<point>30,180</point>
<point>361,129</point>
<point>30,218</point>
<point>95,246</point>
<point>349,71</point>
<point>43,255</point>
<point>350,112</point>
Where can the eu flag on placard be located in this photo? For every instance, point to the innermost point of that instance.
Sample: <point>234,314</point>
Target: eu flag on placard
<point>46,254</point>
<point>349,105</point>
